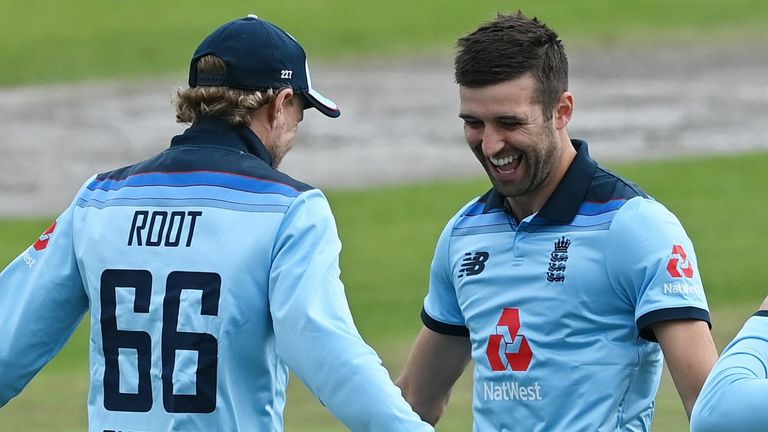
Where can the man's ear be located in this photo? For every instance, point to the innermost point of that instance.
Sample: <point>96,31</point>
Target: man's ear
<point>280,104</point>
<point>563,110</point>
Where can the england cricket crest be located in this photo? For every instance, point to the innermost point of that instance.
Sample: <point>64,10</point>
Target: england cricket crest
<point>558,259</point>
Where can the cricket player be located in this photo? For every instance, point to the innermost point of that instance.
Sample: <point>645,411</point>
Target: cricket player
<point>734,397</point>
<point>566,284</point>
<point>207,272</point>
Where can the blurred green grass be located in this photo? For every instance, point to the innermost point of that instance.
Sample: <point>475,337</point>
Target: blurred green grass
<point>47,41</point>
<point>386,268</point>
<point>389,234</point>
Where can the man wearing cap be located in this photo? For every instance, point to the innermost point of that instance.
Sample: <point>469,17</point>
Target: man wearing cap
<point>207,272</point>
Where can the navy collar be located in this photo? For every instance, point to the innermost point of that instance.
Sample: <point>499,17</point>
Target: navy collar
<point>565,201</point>
<point>214,132</point>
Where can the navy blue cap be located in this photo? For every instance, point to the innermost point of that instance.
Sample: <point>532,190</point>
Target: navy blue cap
<point>259,56</point>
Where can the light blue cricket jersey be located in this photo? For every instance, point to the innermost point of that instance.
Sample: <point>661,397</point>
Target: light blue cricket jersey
<point>559,307</point>
<point>207,275</point>
<point>735,396</point>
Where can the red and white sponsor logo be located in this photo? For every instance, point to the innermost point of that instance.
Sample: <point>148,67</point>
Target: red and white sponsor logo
<point>507,349</point>
<point>679,266</point>
<point>42,242</point>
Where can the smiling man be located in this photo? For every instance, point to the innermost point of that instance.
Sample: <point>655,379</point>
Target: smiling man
<point>566,284</point>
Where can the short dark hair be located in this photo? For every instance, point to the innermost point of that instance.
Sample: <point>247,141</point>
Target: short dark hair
<point>509,47</point>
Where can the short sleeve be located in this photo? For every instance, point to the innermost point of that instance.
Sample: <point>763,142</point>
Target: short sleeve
<point>441,311</point>
<point>651,261</point>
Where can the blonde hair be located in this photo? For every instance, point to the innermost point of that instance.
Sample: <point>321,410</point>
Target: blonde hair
<point>230,104</point>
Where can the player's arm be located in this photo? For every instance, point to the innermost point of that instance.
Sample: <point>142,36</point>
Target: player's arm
<point>437,360</point>
<point>41,303</point>
<point>652,264</point>
<point>314,331</point>
<point>443,348</point>
<point>690,353</point>
<point>734,395</point>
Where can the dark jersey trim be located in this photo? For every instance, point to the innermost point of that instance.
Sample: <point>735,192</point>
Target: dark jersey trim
<point>645,322</point>
<point>762,313</point>
<point>211,146</point>
<point>584,182</point>
<point>441,327</point>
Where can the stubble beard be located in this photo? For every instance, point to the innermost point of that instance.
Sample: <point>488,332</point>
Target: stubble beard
<point>540,163</point>
<point>278,150</point>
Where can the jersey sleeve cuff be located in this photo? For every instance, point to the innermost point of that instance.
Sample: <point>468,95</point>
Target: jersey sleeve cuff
<point>441,327</point>
<point>646,322</point>
<point>762,313</point>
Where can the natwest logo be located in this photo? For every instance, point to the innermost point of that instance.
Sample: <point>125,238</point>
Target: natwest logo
<point>679,265</point>
<point>42,242</point>
<point>507,349</point>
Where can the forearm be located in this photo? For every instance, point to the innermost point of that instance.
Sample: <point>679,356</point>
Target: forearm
<point>733,397</point>
<point>349,379</point>
<point>433,367</point>
<point>425,401</point>
<point>34,324</point>
<point>690,354</point>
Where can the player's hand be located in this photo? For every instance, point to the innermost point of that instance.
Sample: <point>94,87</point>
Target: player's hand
<point>764,306</point>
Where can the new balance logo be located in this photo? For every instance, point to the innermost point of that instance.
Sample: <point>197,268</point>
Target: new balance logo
<point>473,265</point>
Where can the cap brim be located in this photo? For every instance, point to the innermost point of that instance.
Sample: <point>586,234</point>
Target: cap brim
<point>322,103</point>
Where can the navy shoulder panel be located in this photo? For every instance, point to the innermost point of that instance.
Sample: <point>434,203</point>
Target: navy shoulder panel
<point>206,159</point>
<point>607,186</point>
<point>489,202</point>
